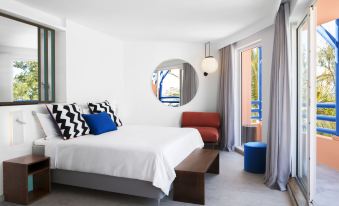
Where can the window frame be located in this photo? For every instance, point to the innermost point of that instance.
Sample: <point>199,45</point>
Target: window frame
<point>39,28</point>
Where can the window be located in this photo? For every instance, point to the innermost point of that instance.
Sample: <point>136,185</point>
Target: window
<point>27,65</point>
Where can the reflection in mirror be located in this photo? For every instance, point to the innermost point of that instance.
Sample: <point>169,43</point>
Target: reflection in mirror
<point>25,78</point>
<point>18,61</point>
<point>174,82</point>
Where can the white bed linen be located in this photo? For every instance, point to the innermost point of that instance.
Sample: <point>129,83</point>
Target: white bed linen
<point>146,153</point>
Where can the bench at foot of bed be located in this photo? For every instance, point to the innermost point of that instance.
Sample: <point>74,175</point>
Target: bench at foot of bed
<point>189,185</point>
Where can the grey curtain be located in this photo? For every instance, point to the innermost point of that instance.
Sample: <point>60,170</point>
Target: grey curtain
<point>188,84</point>
<point>226,99</point>
<point>279,129</point>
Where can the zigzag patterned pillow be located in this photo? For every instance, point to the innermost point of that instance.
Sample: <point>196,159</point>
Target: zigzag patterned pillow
<point>69,120</point>
<point>104,107</point>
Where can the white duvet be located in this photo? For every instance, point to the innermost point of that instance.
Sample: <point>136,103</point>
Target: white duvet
<point>139,152</point>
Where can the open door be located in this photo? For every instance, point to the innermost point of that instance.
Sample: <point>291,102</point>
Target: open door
<point>306,152</point>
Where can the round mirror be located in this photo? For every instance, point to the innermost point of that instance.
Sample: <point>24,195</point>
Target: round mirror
<point>174,82</point>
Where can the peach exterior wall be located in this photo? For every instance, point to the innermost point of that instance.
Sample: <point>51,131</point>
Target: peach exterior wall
<point>327,10</point>
<point>246,87</point>
<point>328,151</point>
<point>259,131</point>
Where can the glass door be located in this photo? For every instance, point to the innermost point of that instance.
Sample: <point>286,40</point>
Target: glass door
<point>306,106</point>
<point>303,102</point>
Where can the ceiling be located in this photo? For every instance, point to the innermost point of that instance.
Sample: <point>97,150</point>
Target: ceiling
<point>179,20</point>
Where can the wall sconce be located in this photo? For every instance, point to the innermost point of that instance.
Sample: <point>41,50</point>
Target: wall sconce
<point>17,136</point>
<point>209,64</point>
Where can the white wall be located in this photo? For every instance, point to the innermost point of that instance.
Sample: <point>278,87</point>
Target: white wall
<point>140,105</point>
<point>263,38</point>
<point>94,65</point>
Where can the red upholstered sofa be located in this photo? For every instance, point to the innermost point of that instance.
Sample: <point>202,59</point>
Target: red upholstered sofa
<point>207,123</point>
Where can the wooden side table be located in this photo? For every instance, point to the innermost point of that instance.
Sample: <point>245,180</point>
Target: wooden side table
<point>15,175</point>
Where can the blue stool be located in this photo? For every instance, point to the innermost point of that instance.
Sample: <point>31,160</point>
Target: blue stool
<point>255,157</point>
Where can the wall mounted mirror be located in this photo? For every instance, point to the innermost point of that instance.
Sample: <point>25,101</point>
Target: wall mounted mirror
<point>174,82</point>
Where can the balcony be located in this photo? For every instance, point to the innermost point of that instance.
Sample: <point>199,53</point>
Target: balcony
<point>327,158</point>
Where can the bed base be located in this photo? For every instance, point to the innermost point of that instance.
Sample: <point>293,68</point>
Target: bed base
<point>107,183</point>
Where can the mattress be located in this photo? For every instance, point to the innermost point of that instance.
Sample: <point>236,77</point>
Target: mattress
<point>147,153</point>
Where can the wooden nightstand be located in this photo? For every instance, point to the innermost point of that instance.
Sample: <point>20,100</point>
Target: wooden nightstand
<point>16,172</point>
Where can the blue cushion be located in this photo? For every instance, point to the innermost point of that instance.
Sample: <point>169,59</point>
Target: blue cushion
<point>99,123</point>
<point>255,157</point>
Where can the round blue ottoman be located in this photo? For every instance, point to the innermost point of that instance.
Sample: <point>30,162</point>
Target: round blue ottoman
<point>255,157</point>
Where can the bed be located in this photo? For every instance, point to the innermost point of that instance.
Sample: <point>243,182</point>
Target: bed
<point>135,160</point>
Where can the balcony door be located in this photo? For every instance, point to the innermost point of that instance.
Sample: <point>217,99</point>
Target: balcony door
<point>251,94</point>
<point>306,152</point>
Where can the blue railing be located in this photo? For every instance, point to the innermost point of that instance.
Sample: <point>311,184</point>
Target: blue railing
<point>257,110</point>
<point>171,100</point>
<point>326,118</point>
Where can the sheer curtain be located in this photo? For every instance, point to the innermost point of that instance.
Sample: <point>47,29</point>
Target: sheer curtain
<point>279,129</point>
<point>226,99</point>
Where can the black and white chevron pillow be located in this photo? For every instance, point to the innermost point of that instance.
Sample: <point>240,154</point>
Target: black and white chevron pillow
<point>69,120</point>
<point>104,107</point>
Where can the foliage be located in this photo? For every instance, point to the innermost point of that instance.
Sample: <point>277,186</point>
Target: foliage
<point>254,74</point>
<point>25,85</point>
<point>326,83</point>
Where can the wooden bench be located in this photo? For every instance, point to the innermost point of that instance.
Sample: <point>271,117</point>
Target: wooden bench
<point>189,184</point>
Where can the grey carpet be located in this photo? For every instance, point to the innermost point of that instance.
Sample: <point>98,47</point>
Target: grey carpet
<point>232,186</point>
<point>327,186</point>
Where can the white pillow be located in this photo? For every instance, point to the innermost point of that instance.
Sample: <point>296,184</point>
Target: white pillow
<point>48,125</point>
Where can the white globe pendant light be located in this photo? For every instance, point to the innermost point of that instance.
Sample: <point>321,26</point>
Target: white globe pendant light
<point>209,64</point>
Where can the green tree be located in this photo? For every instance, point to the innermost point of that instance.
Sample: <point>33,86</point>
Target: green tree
<point>326,83</point>
<point>254,76</point>
<point>25,85</point>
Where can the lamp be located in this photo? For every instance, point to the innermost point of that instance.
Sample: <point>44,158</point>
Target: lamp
<point>209,64</point>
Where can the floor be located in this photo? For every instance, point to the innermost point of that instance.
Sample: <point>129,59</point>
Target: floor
<point>231,187</point>
<point>327,186</point>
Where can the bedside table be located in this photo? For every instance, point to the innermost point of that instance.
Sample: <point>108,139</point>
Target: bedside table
<point>16,173</point>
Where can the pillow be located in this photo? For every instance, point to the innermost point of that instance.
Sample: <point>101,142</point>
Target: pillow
<point>86,111</point>
<point>99,123</point>
<point>69,120</point>
<point>48,125</point>
<point>104,107</point>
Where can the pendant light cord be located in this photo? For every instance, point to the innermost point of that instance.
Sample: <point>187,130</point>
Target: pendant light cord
<point>209,49</point>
